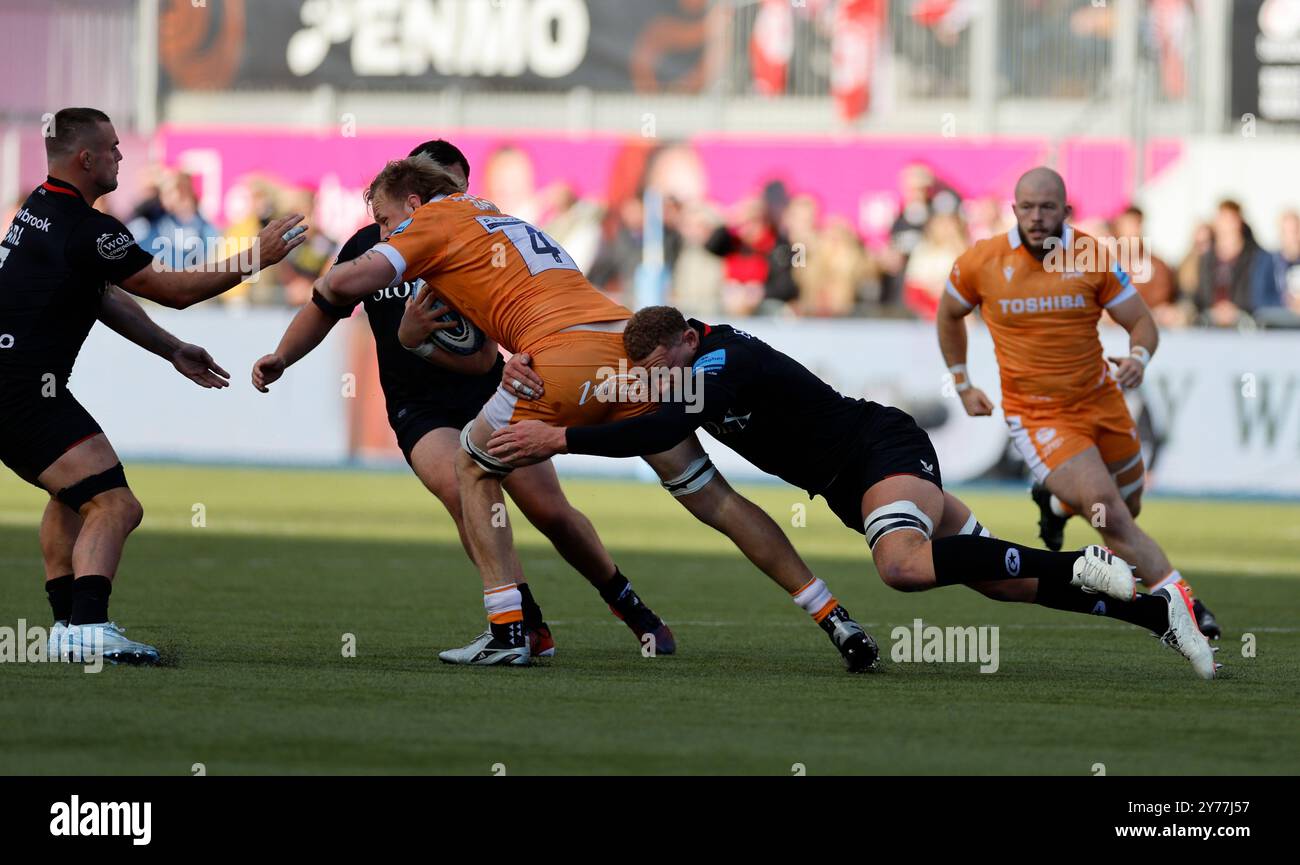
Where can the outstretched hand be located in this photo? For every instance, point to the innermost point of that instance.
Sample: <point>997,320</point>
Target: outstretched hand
<point>197,365</point>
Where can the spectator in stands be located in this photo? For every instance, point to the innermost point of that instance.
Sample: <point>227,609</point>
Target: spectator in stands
<point>930,263</point>
<point>986,217</point>
<point>1155,280</point>
<point>1277,275</point>
<point>841,277</point>
<point>181,237</point>
<point>306,263</point>
<point>757,256</point>
<point>697,275</point>
<point>922,197</point>
<point>1224,285</point>
<point>573,222</point>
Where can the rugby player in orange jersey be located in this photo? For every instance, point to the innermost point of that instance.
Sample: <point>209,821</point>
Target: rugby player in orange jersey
<point>527,295</point>
<point>1041,289</point>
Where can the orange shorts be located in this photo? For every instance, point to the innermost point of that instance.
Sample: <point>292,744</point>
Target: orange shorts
<point>1047,437</point>
<point>572,366</point>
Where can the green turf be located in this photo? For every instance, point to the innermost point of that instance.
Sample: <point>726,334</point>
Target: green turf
<point>253,609</point>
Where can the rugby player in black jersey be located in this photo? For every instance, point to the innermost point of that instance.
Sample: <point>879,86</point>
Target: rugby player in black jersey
<point>64,265</point>
<point>429,404</point>
<point>876,469</point>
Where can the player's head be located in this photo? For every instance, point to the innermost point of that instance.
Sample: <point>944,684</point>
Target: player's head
<point>448,156</point>
<point>404,186</point>
<point>659,337</point>
<point>81,148</point>
<point>1040,206</point>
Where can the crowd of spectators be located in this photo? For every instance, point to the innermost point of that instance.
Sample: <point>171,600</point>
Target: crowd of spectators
<point>775,253</point>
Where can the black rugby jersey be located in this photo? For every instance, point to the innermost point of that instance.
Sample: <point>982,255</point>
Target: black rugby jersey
<point>56,260</point>
<point>761,403</point>
<point>403,376</point>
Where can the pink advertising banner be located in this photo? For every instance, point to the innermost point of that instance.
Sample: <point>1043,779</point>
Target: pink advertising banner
<point>856,178</point>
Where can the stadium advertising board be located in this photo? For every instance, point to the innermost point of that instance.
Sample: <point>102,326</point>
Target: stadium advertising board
<point>1219,412</point>
<point>394,45</point>
<point>1266,60</point>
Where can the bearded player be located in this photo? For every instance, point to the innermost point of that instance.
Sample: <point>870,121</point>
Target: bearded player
<point>873,465</point>
<point>1062,402</point>
<point>528,295</point>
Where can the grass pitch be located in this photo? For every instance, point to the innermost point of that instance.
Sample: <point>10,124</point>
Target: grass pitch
<point>253,609</point>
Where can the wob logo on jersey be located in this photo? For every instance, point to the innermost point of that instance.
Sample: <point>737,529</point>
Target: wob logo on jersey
<point>114,246</point>
<point>1013,562</point>
<point>1045,435</point>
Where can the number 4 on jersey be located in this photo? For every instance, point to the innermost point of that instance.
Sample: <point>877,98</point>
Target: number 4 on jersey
<point>539,250</point>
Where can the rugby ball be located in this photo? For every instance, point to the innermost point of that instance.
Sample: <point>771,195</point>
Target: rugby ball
<point>463,339</point>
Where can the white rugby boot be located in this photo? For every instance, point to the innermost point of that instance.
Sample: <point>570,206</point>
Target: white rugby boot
<point>1099,571</point>
<point>57,645</point>
<point>1183,635</point>
<point>105,639</point>
<point>486,650</point>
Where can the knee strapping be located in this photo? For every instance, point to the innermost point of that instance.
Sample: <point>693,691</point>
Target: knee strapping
<point>695,478</point>
<point>896,517</point>
<point>84,490</point>
<point>975,527</point>
<point>485,460</point>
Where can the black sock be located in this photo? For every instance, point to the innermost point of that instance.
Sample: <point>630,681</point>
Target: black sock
<point>90,599</point>
<point>59,591</point>
<point>532,612</point>
<point>1145,611</point>
<point>964,559</point>
<point>613,591</point>
<point>510,633</point>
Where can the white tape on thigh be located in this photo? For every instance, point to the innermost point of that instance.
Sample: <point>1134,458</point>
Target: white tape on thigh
<point>695,478</point>
<point>975,527</point>
<point>485,460</point>
<point>895,517</point>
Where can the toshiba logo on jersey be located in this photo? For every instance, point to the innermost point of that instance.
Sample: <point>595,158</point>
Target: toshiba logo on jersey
<point>1051,303</point>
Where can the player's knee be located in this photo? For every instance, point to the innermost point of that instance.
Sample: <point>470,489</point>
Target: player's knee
<point>904,573</point>
<point>1134,503</point>
<point>117,505</point>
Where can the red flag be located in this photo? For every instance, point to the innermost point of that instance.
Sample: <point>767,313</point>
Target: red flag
<point>859,25</point>
<point>770,45</point>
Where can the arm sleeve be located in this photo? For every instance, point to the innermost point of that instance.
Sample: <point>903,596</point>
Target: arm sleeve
<point>1116,286</point>
<point>106,249</point>
<point>962,283</point>
<point>647,434</point>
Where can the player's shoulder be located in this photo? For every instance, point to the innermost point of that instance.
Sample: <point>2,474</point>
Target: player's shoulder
<point>363,239</point>
<point>989,249</point>
<point>722,346</point>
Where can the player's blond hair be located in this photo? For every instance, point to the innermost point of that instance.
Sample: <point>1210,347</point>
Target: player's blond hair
<point>650,328</point>
<point>416,175</point>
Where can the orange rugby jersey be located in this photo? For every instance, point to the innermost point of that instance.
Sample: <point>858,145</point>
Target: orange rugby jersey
<point>1043,322</point>
<point>509,278</point>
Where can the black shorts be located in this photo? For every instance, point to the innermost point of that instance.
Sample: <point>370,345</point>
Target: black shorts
<point>414,419</point>
<point>890,444</point>
<point>36,430</point>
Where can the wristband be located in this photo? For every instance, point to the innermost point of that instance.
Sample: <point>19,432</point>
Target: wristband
<point>960,381</point>
<point>1140,354</point>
